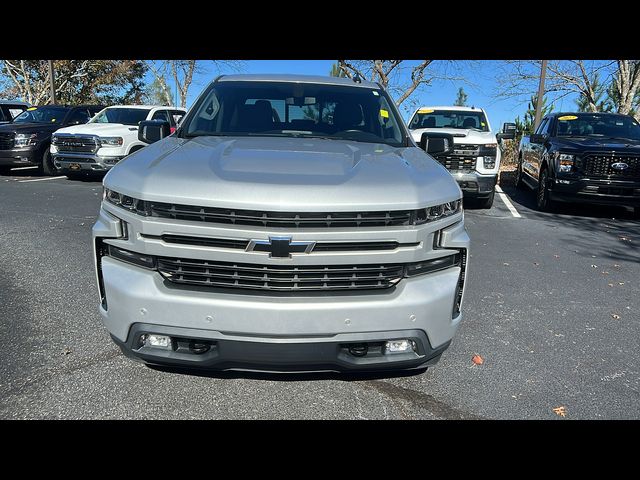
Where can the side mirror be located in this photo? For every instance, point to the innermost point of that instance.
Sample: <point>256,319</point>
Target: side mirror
<point>436,143</point>
<point>537,138</point>
<point>508,131</point>
<point>150,131</point>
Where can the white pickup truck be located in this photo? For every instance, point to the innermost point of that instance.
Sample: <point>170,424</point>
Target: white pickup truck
<point>475,159</point>
<point>107,138</point>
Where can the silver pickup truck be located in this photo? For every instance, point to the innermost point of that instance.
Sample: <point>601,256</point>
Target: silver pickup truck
<point>290,223</point>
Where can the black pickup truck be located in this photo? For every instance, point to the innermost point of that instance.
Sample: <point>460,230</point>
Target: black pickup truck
<point>582,157</point>
<point>25,141</point>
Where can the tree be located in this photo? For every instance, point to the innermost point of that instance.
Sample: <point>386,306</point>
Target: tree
<point>525,127</point>
<point>155,95</point>
<point>76,81</point>
<point>597,103</point>
<point>461,99</point>
<point>336,71</point>
<point>392,77</point>
<point>624,91</point>
<point>181,73</point>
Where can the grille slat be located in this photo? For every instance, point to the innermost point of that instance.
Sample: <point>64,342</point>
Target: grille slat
<point>599,165</point>
<point>281,219</point>
<point>282,278</point>
<point>463,159</point>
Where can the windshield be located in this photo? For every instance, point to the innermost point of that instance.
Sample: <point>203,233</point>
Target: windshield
<point>290,109</point>
<point>125,116</point>
<point>42,115</point>
<point>428,118</point>
<point>598,125</point>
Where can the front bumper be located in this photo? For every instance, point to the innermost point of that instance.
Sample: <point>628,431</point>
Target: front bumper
<point>474,184</point>
<point>303,331</point>
<point>84,162</point>
<point>19,157</point>
<point>602,192</point>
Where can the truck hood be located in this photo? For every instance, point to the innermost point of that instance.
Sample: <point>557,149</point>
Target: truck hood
<point>597,144</point>
<point>459,135</point>
<point>102,129</point>
<point>28,127</point>
<point>283,174</point>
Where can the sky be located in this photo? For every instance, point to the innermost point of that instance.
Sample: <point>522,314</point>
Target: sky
<point>480,84</point>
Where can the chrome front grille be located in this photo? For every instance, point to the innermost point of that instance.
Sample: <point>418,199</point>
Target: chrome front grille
<point>279,278</point>
<point>76,144</point>
<point>463,159</point>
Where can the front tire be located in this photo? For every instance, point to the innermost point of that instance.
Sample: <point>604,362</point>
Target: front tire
<point>48,167</point>
<point>519,180</point>
<point>488,203</point>
<point>543,202</point>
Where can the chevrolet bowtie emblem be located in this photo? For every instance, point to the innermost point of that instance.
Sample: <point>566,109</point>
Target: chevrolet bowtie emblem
<point>280,247</point>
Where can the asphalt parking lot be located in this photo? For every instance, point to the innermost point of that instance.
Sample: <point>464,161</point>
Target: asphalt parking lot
<point>552,307</point>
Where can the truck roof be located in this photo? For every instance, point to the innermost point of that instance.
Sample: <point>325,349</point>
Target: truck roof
<point>561,114</point>
<point>326,80</point>
<point>451,107</point>
<point>13,102</point>
<point>143,106</point>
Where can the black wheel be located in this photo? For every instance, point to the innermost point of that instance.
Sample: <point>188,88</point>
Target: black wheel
<point>74,176</point>
<point>519,180</point>
<point>4,170</point>
<point>543,202</point>
<point>488,202</point>
<point>48,167</point>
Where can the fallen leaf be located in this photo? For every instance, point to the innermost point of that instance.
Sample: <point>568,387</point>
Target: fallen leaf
<point>536,263</point>
<point>625,239</point>
<point>557,256</point>
<point>594,266</point>
<point>605,273</point>
<point>620,283</point>
<point>505,264</point>
<point>616,266</point>
<point>66,351</point>
<point>477,359</point>
<point>615,316</point>
<point>560,411</point>
<point>593,256</point>
<point>611,284</point>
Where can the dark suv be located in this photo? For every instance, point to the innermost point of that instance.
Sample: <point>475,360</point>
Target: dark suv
<point>25,141</point>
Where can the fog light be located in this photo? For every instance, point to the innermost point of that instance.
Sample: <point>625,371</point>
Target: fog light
<point>400,346</point>
<point>155,340</point>
<point>358,349</point>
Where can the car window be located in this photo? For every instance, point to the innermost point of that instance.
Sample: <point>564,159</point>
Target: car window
<point>161,115</point>
<point>292,109</point>
<point>15,111</point>
<point>122,115</point>
<point>459,119</point>
<point>177,116</point>
<point>542,128</point>
<point>79,117</point>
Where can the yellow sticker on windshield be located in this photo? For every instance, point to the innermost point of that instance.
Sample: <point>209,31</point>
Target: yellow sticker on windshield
<point>425,110</point>
<point>31,109</point>
<point>567,117</point>
<point>483,124</point>
<point>384,113</point>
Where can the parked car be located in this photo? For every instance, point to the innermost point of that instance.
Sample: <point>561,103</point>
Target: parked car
<point>582,157</point>
<point>290,223</point>
<point>109,137</point>
<point>10,109</point>
<point>475,159</point>
<point>25,141</point>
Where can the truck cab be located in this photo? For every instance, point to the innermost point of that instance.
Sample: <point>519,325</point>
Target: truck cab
<point>474,160</point>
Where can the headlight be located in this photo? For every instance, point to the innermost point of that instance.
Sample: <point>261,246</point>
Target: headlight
<point>566,161</point>
<point>126,202</point>
<point>488,151</point>
<point>25,139</point>
<point>111,141</point>
<point>437,212</point>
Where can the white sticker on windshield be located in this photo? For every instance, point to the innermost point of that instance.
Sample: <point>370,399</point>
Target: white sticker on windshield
<point>376,93</point>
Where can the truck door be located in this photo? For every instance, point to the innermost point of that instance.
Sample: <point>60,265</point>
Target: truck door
<point>533,155</point>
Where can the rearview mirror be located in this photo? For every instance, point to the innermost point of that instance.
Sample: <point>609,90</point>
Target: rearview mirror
<point>436,143</point>
<point>150,131</point>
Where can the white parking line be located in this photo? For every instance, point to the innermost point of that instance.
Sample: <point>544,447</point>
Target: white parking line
<point>42,179</point>
<point>507,202</point>
<point>25,168</point>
